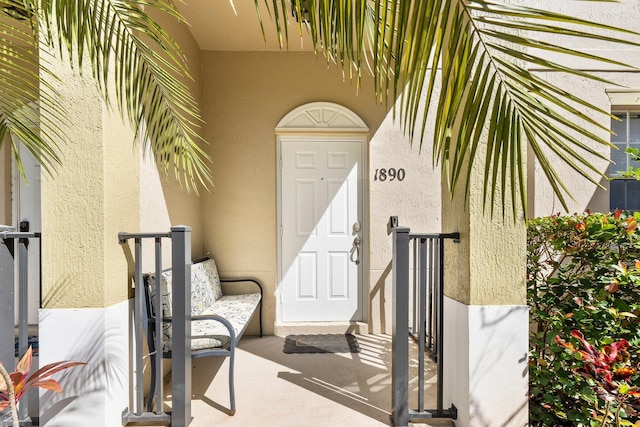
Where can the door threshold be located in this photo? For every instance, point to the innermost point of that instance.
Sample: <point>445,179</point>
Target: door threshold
<point>298,328</point>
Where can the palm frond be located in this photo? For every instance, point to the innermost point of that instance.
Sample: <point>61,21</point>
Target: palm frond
<point>121,39</point>
<point>126,48</point>
<point>24,99</point>
<point>490,106</point>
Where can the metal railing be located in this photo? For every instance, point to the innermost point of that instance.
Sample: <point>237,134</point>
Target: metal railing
<point>181,355</point>
<point>14,269</point>
<point>418,300</point>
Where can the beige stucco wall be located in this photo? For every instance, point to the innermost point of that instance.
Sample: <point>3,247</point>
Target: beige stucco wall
<point>164,202</point>
<point>415,201</point>
<point>624,15</point>
<point>99,191</point>
<point>245,96</point>
<point>585,195</point>
<point>479,270</point>
<point>488,265</point>
<point>87,201</point>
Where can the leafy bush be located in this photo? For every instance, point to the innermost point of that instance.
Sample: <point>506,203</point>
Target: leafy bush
<point>582,275</point>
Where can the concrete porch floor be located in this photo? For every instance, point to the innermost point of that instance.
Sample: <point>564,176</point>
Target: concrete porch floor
<point>274,389</point>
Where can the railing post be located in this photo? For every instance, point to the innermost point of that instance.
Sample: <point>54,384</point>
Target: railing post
<point>7,309</point>
<point>181,300</point>
<point>159,333</point>
<point>138,406</point>
<point>23,320</point>
<point>400,330</point>
<point>422,318</point>
<point>440,325</point>
<point>23,295</point>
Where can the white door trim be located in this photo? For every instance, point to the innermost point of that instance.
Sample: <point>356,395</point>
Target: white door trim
<point>321,117</point>
<point>312,122</point>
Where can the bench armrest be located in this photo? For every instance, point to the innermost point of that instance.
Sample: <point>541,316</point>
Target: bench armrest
<point>244,280</point>
<point>225,322</point>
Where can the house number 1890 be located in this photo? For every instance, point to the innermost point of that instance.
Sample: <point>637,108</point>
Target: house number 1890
<point>390,174</point>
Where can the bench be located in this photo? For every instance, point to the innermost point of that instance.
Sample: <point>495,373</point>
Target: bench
<point>218,320</point>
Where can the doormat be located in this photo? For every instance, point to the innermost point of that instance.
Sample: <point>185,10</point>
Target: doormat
<point>326,343</point>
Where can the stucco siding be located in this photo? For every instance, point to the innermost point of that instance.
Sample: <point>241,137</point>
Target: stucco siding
<point>164,202</point>
<point>245,96</point>
<point>623,15</point>
<point>72,201</point>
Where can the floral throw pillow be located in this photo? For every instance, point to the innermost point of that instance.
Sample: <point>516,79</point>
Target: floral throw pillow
<point>211,271</point>
<point>202,295</point>
<point>165,287</point>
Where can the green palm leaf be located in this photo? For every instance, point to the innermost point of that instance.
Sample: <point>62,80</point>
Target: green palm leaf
<point>21,105</point>
<point>125,47</point>
<point>490,106</point>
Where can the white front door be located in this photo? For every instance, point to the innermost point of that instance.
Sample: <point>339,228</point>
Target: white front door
<point>321,217</point>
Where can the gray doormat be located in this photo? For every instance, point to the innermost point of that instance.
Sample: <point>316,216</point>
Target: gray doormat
<point>326,343</point>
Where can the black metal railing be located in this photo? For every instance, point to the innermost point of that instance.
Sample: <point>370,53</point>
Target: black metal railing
<point>14,269</point>
<point>154,414</point>
<point>418,300</point>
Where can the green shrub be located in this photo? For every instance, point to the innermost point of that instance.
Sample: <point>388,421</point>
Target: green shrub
<point>582,275</point>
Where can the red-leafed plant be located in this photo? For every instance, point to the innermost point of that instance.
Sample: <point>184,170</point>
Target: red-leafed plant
<point>610,372</point>
<point>15,384</point>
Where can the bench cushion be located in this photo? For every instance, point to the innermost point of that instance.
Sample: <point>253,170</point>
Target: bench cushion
<point>205,287</point>
<point>206,298</point>
<point>206,280</point>
<point>237,309</point>
<point>166,279</point>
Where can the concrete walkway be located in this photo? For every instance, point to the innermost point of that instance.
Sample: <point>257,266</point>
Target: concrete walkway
<point>274,389</point>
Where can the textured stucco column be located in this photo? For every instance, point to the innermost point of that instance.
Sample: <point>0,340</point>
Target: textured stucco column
<point>85,314</point>
<point>486,317</point>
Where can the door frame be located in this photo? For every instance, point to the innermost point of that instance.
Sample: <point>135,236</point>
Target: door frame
<point>315,122</point>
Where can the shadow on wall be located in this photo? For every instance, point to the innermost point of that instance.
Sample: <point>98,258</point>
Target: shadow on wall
<point>378,291</point>
<point>598,202</point>
<point>500,352</point>
<point>58,292</point>
<point>106,371</point>
<point>165,203</point>
<point>600,199</point>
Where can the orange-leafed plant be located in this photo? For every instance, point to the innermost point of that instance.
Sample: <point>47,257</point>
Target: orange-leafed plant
<point>15,384</point>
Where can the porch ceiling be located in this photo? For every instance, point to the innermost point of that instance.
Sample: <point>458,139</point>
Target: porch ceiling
<point>215,26</point>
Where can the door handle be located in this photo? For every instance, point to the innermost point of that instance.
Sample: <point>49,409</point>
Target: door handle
<point>355,250</point>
